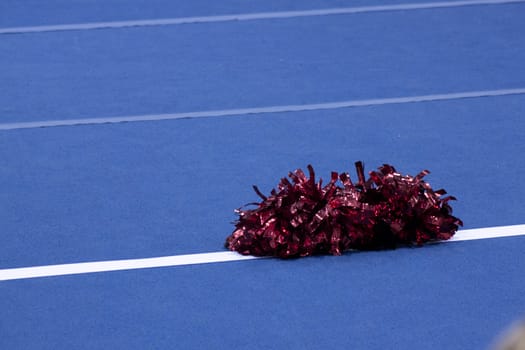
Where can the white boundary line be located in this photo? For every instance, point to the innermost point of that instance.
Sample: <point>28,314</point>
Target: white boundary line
<point>488,232</point>
<point>263,110</point>
<point>204,258</point>
<point>117,265</point>
<point>252,16</point>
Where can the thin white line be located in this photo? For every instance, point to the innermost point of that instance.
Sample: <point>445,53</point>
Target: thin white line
<point>262,110</point>
<point>117,265</point>
<point>488,232</point>
<point>251,16</point>
<point>204,258</point>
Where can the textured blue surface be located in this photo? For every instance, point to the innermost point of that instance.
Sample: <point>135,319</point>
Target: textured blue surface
<point>163,188</point>
<point>34,12</point>
<point>260,63</point>
<point>134,190</point>
<point>448,296</point>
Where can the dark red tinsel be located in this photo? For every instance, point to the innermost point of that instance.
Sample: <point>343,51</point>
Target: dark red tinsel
<point>303,217</point>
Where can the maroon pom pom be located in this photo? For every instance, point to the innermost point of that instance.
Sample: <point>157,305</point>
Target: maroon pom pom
<point>303,217</point>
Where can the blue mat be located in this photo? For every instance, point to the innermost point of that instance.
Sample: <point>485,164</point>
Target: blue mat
<point>145,189</point>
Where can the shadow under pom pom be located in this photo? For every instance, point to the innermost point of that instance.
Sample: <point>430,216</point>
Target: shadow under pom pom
<point>302,217</point>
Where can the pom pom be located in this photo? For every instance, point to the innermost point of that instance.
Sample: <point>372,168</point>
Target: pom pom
<point>302,217</point>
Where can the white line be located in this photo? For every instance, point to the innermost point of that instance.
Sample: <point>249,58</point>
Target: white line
<point>252,16</point>
<point>262,110</point>
<point>117,265</point>
<point>204,258</point>
<point>488,232</point>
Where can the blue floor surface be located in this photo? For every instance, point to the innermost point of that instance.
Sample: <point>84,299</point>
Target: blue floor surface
<point>15,13</point>
<point>145,189</point>
<point>136,71</point>
<point>162,188</point>
<point>447,296</point>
